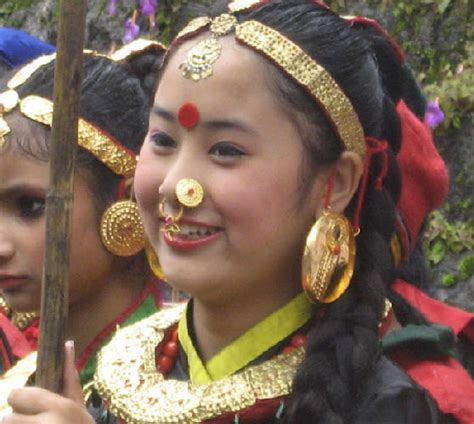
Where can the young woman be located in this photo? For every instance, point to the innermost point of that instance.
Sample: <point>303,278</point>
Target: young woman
<point>110,282</point>
<point>269,168</point>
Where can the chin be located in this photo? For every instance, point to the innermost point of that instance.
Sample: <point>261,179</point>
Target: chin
<point>19,302</point>
<point>197,286</point>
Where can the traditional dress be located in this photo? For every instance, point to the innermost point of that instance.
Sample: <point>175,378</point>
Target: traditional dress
<point>22,352</point>
<point>246,382</point>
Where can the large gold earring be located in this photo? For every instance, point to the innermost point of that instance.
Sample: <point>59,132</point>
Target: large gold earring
<point>329,258</point>
<point>121,229</point>
<point>153,261</point>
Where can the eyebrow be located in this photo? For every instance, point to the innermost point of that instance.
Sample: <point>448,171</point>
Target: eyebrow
<point>21,188</point>
<point>213,124</point>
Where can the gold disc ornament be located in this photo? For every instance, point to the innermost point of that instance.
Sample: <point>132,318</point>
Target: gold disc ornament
<point>121,229</point>
<point>189,192</point>
<point>329,258</point>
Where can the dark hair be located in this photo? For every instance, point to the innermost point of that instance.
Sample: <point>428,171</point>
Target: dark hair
<point>344,345</point>
<point>113,99</point>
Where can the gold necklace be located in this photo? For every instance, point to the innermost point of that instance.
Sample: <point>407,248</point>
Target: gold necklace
<point>127,379</point>
<point>20,320</point>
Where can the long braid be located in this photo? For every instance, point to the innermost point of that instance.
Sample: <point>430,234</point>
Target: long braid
<point>344,346</point>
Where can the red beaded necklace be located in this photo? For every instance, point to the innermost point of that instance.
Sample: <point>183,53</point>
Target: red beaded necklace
<point>167,351</point>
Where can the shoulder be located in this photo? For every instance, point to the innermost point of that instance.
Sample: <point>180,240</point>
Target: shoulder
<point>392,397</point>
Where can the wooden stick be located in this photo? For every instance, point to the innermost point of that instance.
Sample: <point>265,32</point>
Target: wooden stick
<point>54,296</point>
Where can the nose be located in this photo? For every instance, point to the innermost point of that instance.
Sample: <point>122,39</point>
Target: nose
<point>181,172</point>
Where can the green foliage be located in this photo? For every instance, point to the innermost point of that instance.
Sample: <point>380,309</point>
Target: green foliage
<point>442,237</point>
<point>446,69</point>
<point>449,280</point>
<point>465,271</point>
<point>7,7</point>
<point>454,89</point>
<point>466,267</point>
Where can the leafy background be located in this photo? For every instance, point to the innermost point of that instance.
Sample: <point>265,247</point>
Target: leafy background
<point>437,36</point>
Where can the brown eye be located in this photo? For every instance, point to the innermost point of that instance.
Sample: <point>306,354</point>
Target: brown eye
<point>31,207</point>
<point>162,140</point>
<point>225,149</point>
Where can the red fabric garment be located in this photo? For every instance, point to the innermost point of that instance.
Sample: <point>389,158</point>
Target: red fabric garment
<point>461,322</point>
<point>446,380</point>
<point>423,172</point>
<point>16,339</point>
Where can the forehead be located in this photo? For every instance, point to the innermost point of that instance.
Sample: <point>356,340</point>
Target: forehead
<point>18,167</point>
<point>238,79</point>
<point>27,137</point>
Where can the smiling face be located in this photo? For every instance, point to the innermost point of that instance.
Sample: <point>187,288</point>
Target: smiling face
<point>246,237</point>
<point>24,182</point>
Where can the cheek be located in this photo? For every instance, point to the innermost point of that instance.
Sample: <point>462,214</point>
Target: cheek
<point>36,242</point>
<point>148,178</point>
<point>256,202</point>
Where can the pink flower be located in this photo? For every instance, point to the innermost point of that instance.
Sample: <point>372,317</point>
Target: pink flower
<point>433,115</point>
<point>148,7</point>
<point>131,31</point>
<point>112,7</point>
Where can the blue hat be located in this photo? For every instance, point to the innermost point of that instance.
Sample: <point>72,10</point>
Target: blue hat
<point>18,47</point>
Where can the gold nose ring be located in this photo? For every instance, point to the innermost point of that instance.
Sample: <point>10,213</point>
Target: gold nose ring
<point>171,222</point>
<point>189,192</point>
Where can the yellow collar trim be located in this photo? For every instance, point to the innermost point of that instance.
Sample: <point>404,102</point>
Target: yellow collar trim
<point>249,346</point>
<point>127,379</point>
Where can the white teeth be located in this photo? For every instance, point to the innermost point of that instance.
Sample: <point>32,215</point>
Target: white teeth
<point>194,231</point>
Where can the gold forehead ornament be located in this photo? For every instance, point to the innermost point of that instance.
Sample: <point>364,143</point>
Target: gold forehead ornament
<point>287,56</point>
<point>199,61</point>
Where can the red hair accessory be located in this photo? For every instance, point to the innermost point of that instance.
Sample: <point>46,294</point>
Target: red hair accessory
<point>423,173</point>
<point>188,115</point>
<point>381,30</point>
<point>374,147</point>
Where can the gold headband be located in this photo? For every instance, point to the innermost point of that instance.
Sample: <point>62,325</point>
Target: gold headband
<point>136,47</point>
<point>110,152</point>
<point>288,56</point>
<point>103,147</point>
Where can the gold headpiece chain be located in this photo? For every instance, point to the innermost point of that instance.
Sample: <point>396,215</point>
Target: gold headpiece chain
<point>284,53</point>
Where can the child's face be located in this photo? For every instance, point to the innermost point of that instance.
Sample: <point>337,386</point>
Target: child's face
<point>24,182</point>
<point>247,153</point>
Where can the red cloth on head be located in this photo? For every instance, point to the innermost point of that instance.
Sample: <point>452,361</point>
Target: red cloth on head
<point>423,172</point>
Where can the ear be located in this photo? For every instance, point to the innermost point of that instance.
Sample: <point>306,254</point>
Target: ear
<point>128,188</point>
<point>347,175</point>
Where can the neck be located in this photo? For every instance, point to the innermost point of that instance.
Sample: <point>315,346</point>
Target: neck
<point>86,319</point>
<point>217,325</point>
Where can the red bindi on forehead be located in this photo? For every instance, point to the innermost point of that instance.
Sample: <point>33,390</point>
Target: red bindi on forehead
<point>188,115</point>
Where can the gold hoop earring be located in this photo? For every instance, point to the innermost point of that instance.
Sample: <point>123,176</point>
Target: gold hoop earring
<point>153,261</point>
<point>171,222</point>
<point>189,192</point>
<point>329,258</point>
<point>121,229</point>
